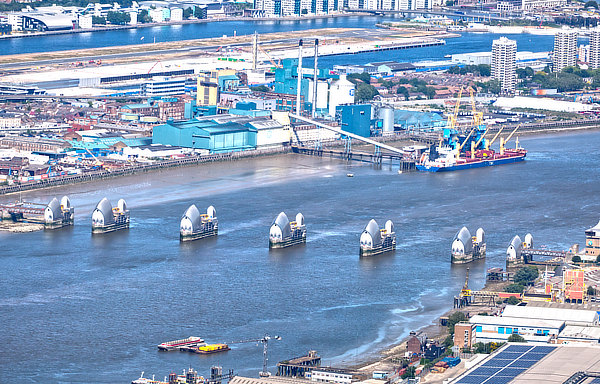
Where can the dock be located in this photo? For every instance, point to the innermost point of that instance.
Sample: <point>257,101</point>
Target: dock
<point>182,344</point>
<point>405,165</point>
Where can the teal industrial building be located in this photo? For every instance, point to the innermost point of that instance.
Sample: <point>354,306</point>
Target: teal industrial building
<point>206,135</point>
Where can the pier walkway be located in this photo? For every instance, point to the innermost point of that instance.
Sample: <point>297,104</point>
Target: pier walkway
<point>404,164</point>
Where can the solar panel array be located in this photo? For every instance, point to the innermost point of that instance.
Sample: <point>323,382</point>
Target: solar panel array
<point>507,365</point>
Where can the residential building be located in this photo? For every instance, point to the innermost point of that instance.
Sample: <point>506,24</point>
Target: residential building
<point>416,342</point>
<point>528,5</point>
<point>583,53</point>
<point>464,335</point>
<point>176,14</point>
<point>565,49</point>
<point>594,49</point>
<point>85,21</point>
<point>504,63</point>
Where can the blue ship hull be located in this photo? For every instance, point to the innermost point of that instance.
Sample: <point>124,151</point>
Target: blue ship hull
<point>475,164</point>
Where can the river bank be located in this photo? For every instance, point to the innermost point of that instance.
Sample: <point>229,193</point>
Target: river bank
<point>174,23</point>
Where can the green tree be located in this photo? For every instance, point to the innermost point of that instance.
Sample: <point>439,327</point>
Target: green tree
<point>410,373</point>
<point>526,275</point>
<point>364,92</point>
<point>448,341</point>
<point>98,20</point>
<point>144,17</point>
<point>404,91</point>
<point>455,318</point>
<point>576,259</point>
<point>364,77</point>
<point>199,13</point>
<point>260,88</point>
<point>591,291</point>
<point>429,92</point>
<point>514,288</point>
<point>598,259</point>
<point>188,12</point>
<point>118,18</point>
<point>591,4</point>
<point>516,338</point>
<point>513,300</point>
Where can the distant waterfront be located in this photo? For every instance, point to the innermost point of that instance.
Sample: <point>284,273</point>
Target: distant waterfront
<point>93,309</point>
<point>163,33</point>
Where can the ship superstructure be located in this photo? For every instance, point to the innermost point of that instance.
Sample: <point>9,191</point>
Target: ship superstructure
<point>106,219</point>
<point>284,233</point>
<point>374,241</point>
<point>195,225</point>
<point>467,248</point>
<point>58,214</point>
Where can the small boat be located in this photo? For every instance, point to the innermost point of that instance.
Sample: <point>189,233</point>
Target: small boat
<point>350,174</point>
<point>212,348</point>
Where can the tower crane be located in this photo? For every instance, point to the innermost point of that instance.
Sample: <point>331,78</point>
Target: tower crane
<point>265,342</point>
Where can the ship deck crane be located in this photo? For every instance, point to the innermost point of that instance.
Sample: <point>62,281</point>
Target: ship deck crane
<point>487,145</point>
<point>504,141</point>
<point>477,116</point>
<point>265,342</point>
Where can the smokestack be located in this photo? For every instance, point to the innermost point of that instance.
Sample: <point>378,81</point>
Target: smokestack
<point>316,78</point>
<point>299,71</point>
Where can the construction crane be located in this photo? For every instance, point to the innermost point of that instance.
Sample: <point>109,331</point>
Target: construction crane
<point>465,291</point>
<point>265,342</point>
<point>452,119</point>
<point>154,65</point>
<point>477,116</point>
<point>275,64</point>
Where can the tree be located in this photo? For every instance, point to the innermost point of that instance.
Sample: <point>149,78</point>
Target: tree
<point>404,91</point>
<point>364,92</point>
<point>410,373</point>
<point>591,4</point>
<point>526,275</point>
<point>144,17</point>
<point>455,318</point>
<point>260,88</point>
<point>514,288</point>
<point>188,12</point>
<point>364,77</point>
<point>98,20</point>
<point>118,18</point>
<point>513,300</point>
<point>449,3</point>
<point>598,259</point>
<point>576,259</point>
<point>516,338</point>
<point>591,291</point>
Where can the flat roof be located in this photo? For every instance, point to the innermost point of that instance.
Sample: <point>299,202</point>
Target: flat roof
<point>548,313</point>
<point>580,332</point>
<point>510,321</point>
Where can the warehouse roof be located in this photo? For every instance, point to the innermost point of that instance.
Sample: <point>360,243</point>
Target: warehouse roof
<point>576,332</point>
<point>541,103</point>
<point>516,322</point>
<point>577,316</point>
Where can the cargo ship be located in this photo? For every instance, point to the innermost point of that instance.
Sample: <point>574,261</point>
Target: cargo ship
<point>211,348</point>
<point>284,233</point>
<point>374,241</point>
<point>467,248</point>
<point>191,341</point>
<point>58,215</point>
<point>106,219</point>
<point>194,225</point>
<point>458,151</point>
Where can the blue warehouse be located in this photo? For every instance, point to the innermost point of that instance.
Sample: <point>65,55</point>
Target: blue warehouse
<point>207,135</point>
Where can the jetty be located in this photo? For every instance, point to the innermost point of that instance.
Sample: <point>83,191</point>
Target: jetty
<point>23,216</point>
<point>175,345</point>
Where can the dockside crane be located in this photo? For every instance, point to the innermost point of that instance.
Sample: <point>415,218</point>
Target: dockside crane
<point>454,117</point>
<point>265,342</point>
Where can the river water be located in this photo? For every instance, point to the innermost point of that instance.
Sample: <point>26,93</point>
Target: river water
<point>83,308</point>
<point>471,42</point>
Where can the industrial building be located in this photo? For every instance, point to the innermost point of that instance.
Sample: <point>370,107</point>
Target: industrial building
<point>164,86</point>
<point>565,49</point>
<point>499,328</point>
<point>355,118</point>
<point>504,63</point>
